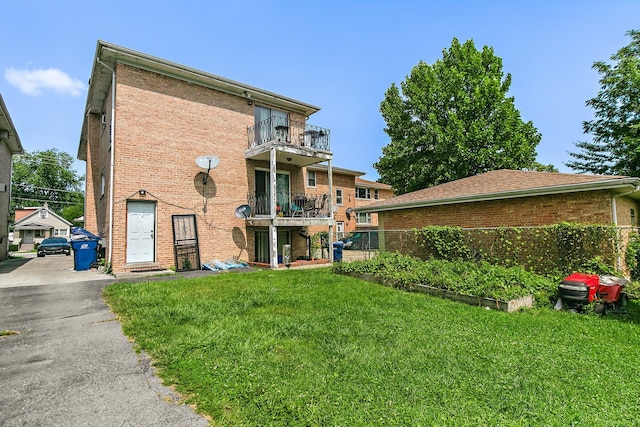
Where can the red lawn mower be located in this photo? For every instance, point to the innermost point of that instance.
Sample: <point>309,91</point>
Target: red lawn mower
<point>607,292</point>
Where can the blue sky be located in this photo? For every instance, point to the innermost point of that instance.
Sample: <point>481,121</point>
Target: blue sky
<point>339,55</point>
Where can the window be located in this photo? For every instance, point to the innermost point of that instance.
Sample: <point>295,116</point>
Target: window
<point>376,195</point>
<point>43,213</point>
<point>339,229</point>
<point>270,124</point>
<point>633,217</point>
<point>363,218</point>
<point>338,196</point>
<point>311,178</point>
<point>39,233</point>
<point>61,232</point>
<point>363,193</point>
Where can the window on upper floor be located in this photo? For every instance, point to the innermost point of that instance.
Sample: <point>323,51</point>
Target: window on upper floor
<point>363,193</point>
<point>376,195</point>
<point>338,196</point>
<point>311,178</point>
<point>43,213</point>
<point>271,124</point>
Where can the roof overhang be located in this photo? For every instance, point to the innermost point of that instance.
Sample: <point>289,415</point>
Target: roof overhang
<point>8,132</point>
<point>109,55</point>
<point>629,186</point>
<point>33,226</point>
<point>336,170</point>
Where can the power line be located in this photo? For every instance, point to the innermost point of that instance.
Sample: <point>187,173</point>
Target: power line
<point>31,187</point>
<point>47,201</point>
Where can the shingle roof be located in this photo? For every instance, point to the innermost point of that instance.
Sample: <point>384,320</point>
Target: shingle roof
<point>372,184</point>
<point>502,184</point>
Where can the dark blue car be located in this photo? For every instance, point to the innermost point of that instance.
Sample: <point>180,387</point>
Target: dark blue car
<point>54,245</point>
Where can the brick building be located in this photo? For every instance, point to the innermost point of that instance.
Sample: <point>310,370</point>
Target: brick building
<point>509,198</point>
<point>366,193</point>
<point>149,130</point>
<point>9,145</point>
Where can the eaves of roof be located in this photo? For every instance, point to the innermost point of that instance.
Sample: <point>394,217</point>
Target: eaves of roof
<point>334,169</point>
<point>13,141</point>
<point>619,185</point>
<point>108,55</point>
<point>36,212</point>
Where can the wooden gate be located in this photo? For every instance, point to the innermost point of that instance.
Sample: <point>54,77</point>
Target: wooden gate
<point>185,242</point>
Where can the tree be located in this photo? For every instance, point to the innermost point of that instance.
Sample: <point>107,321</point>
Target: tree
<point>47,176</point>
<point>615,146</point>
<point>453,120</point>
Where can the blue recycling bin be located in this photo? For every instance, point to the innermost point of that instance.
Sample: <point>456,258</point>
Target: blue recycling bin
<point>337,251</point>
<point>85,253</point>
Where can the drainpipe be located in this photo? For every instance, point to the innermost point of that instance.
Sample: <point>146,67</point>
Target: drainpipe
<point>113,149</point>
<point>330,238</point>
<point>614,215</point>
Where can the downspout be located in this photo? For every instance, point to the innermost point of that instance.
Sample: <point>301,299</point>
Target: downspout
<point>330,238</point>
<point>614,216</point>
<point>112,160</point>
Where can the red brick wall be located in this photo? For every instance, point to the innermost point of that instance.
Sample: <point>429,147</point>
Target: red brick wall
<point>162,126</point>
<point>586,207</point>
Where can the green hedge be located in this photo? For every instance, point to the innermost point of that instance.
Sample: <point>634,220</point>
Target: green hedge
<point>558,249</point>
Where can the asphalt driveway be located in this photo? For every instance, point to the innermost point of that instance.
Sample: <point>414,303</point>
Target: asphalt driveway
<point>66,361</point>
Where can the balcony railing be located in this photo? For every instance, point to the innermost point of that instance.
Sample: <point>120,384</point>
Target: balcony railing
<point>290,206</point>
<point>282,129</point>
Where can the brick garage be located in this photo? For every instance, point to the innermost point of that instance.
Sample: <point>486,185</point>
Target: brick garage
<point>508,198</point>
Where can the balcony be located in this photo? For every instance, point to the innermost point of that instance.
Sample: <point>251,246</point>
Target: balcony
<point>298,143</point>
<point>288,206</point>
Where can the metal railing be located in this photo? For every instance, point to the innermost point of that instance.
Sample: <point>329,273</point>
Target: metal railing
<point>290,206</point>
<point>281,129</point>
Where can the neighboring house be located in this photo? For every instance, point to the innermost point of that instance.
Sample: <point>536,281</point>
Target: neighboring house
<point>9,145</point>
<point>317,181</point>
<point>34,224</point>
<point>367,193</point>
<point>511,198</point>
<point>146,123</point>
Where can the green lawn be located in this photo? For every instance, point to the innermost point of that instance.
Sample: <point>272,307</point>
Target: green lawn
<point>308,347</point>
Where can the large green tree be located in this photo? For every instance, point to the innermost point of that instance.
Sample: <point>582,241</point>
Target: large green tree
<point>615,145</point>
<point>47,176</point>
<point>453,119</point>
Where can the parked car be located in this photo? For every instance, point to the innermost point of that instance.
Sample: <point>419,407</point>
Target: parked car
<point>361,240</point>
<point>54,245</point>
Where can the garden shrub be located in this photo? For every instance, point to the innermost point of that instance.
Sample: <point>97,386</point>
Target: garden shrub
<point>465,277</point>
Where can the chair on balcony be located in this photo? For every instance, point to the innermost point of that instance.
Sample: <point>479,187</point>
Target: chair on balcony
<point>310,209</point>
<point>297,207</point>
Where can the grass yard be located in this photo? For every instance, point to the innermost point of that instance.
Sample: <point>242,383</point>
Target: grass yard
<point>312,348</point>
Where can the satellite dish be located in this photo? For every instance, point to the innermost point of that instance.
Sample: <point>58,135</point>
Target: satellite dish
<point>243,211</point>
<point>349,212</point>
<point>207,162</point>
<point>334,209</point>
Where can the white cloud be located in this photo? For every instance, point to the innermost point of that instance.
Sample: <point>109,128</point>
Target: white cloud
<point>35,82</point>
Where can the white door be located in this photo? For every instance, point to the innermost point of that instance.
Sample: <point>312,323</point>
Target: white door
<point>141,223</point>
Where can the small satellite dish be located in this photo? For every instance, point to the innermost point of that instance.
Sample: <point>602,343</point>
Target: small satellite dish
<point>349,212</point>
<point>243,211</point>
<point>208,163</point>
